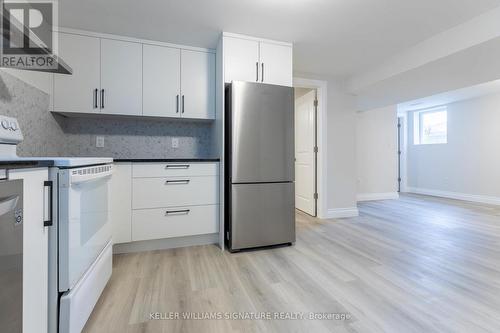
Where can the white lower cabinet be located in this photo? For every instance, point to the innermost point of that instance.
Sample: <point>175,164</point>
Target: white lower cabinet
<point>35,249</point>
<point>121,199</point>
<point>174,222</point>
<point>164,200</point>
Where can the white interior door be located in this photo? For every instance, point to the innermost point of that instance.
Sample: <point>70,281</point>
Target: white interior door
<point>121,77</point>
<point>162,81</point>
<point>276,64</point>
<point>241,60</point>
<point>77,92</point>
<point>305,168</point>
<point>198,84</point>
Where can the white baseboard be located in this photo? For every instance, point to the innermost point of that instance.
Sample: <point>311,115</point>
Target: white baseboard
<point>378,196</point>
<point>338,213</point>
<point>455,195</point>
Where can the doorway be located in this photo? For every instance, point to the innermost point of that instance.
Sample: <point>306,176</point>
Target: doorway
<point>306,150</point>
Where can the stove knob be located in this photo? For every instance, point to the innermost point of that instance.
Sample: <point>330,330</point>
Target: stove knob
<point>5,124</point>
<point>13,126</point>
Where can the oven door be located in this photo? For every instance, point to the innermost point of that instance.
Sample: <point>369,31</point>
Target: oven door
<point>84,222</point>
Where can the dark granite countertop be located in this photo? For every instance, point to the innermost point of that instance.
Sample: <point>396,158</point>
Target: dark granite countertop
<point>166,160</point>
<point>26,164</point>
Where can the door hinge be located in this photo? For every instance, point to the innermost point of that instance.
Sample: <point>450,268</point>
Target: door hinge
<point>316,149</point>
<point>316,103</point>
<point>399,125</point>
<point>399,179</point>
<point>316,196</point>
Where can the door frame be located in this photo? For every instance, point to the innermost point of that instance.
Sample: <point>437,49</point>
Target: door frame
<point>403,158</point>
<point>321,138</point>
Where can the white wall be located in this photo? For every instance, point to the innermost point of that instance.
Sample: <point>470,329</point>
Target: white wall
<point>467,167</point>
<point>376,151</point>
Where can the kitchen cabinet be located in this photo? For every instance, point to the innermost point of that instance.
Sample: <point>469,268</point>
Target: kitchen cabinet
<point>121,77</point>
<point>241,60</point>
<point>162,81</point>
<point>130,77</point>
<point>197,85</point>
<point>276,64</point>
<point>35,249</point>
<point>178,83</point>
<point>157,200</point>
<point>78,92</point>
<point>257,60</point>
<point>120,202</point>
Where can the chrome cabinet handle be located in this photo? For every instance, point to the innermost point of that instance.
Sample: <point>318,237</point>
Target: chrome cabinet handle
<point>177,104</point>
<point>96,92</point>
<point>102,98</point>
<point>177,166</point>
<point>257,72</point>
<point>183,103</point>
<point>262,78</point>
<point>179,181</point>
<point>177,212</point>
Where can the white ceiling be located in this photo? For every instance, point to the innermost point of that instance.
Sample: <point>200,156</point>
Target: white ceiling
<point>449,97</point>
<point>332,37</point>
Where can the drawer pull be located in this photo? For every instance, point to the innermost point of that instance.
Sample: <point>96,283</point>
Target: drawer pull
<point>177,212</point>
<point>177,166</point>
<point>180,181</point>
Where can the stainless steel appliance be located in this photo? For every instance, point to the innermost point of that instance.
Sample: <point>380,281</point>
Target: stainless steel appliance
<point>11,256</point>
<point>259,165</point>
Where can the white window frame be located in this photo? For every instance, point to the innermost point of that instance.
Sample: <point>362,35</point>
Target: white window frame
<point>418,128</point>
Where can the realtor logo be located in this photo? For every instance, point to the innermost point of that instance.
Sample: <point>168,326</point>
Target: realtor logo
<point>28,34</point>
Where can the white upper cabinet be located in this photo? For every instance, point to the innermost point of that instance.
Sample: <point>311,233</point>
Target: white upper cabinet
<point>121,77</point>
<point>255,60</point>
<point>276,64</point>
<point>78,92</point>
<point>162,81</point>
<point>124,76</point>
<point>197,84</point>
<point>241,60</point>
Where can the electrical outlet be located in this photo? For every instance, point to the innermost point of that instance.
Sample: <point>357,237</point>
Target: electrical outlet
<point>175,142</point>
<point>99,141</point>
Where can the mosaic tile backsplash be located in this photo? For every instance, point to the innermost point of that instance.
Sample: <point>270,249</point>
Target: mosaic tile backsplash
<point>49,134</point>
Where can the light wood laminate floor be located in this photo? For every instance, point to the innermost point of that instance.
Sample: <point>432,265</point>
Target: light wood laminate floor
<point>418,264</point>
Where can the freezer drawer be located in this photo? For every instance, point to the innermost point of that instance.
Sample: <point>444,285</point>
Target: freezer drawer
<point>262,215</point>
<point>262,138</point>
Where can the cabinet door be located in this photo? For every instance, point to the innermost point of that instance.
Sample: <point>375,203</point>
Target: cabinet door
<point>241,60</point>
<point>77,92</point>
<point>276,64</point>
<point>35,251</point>
<point>162,79</point>
<point>197,84</point>
<point>121,77</point>
<point>121,203</point>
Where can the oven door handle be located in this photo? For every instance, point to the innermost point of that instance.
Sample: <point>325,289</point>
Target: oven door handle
<point>48,220</point>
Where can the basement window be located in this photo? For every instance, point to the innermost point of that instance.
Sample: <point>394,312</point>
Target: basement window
<point>431,126</point>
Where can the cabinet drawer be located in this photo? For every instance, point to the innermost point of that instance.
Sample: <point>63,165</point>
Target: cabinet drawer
<point>174,191</point>
<point>144,170</point>
<point>174,222</point>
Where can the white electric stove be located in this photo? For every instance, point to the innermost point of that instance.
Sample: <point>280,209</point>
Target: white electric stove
<point>80,247</point>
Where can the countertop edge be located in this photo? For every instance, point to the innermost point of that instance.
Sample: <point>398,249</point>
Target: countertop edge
<point>26,164</point>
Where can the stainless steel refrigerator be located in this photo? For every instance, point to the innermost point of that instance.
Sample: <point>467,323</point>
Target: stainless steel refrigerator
<point>259,165</point>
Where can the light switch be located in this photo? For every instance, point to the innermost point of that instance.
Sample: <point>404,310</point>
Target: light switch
<point>99,141</point>
<point>175,142</point>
